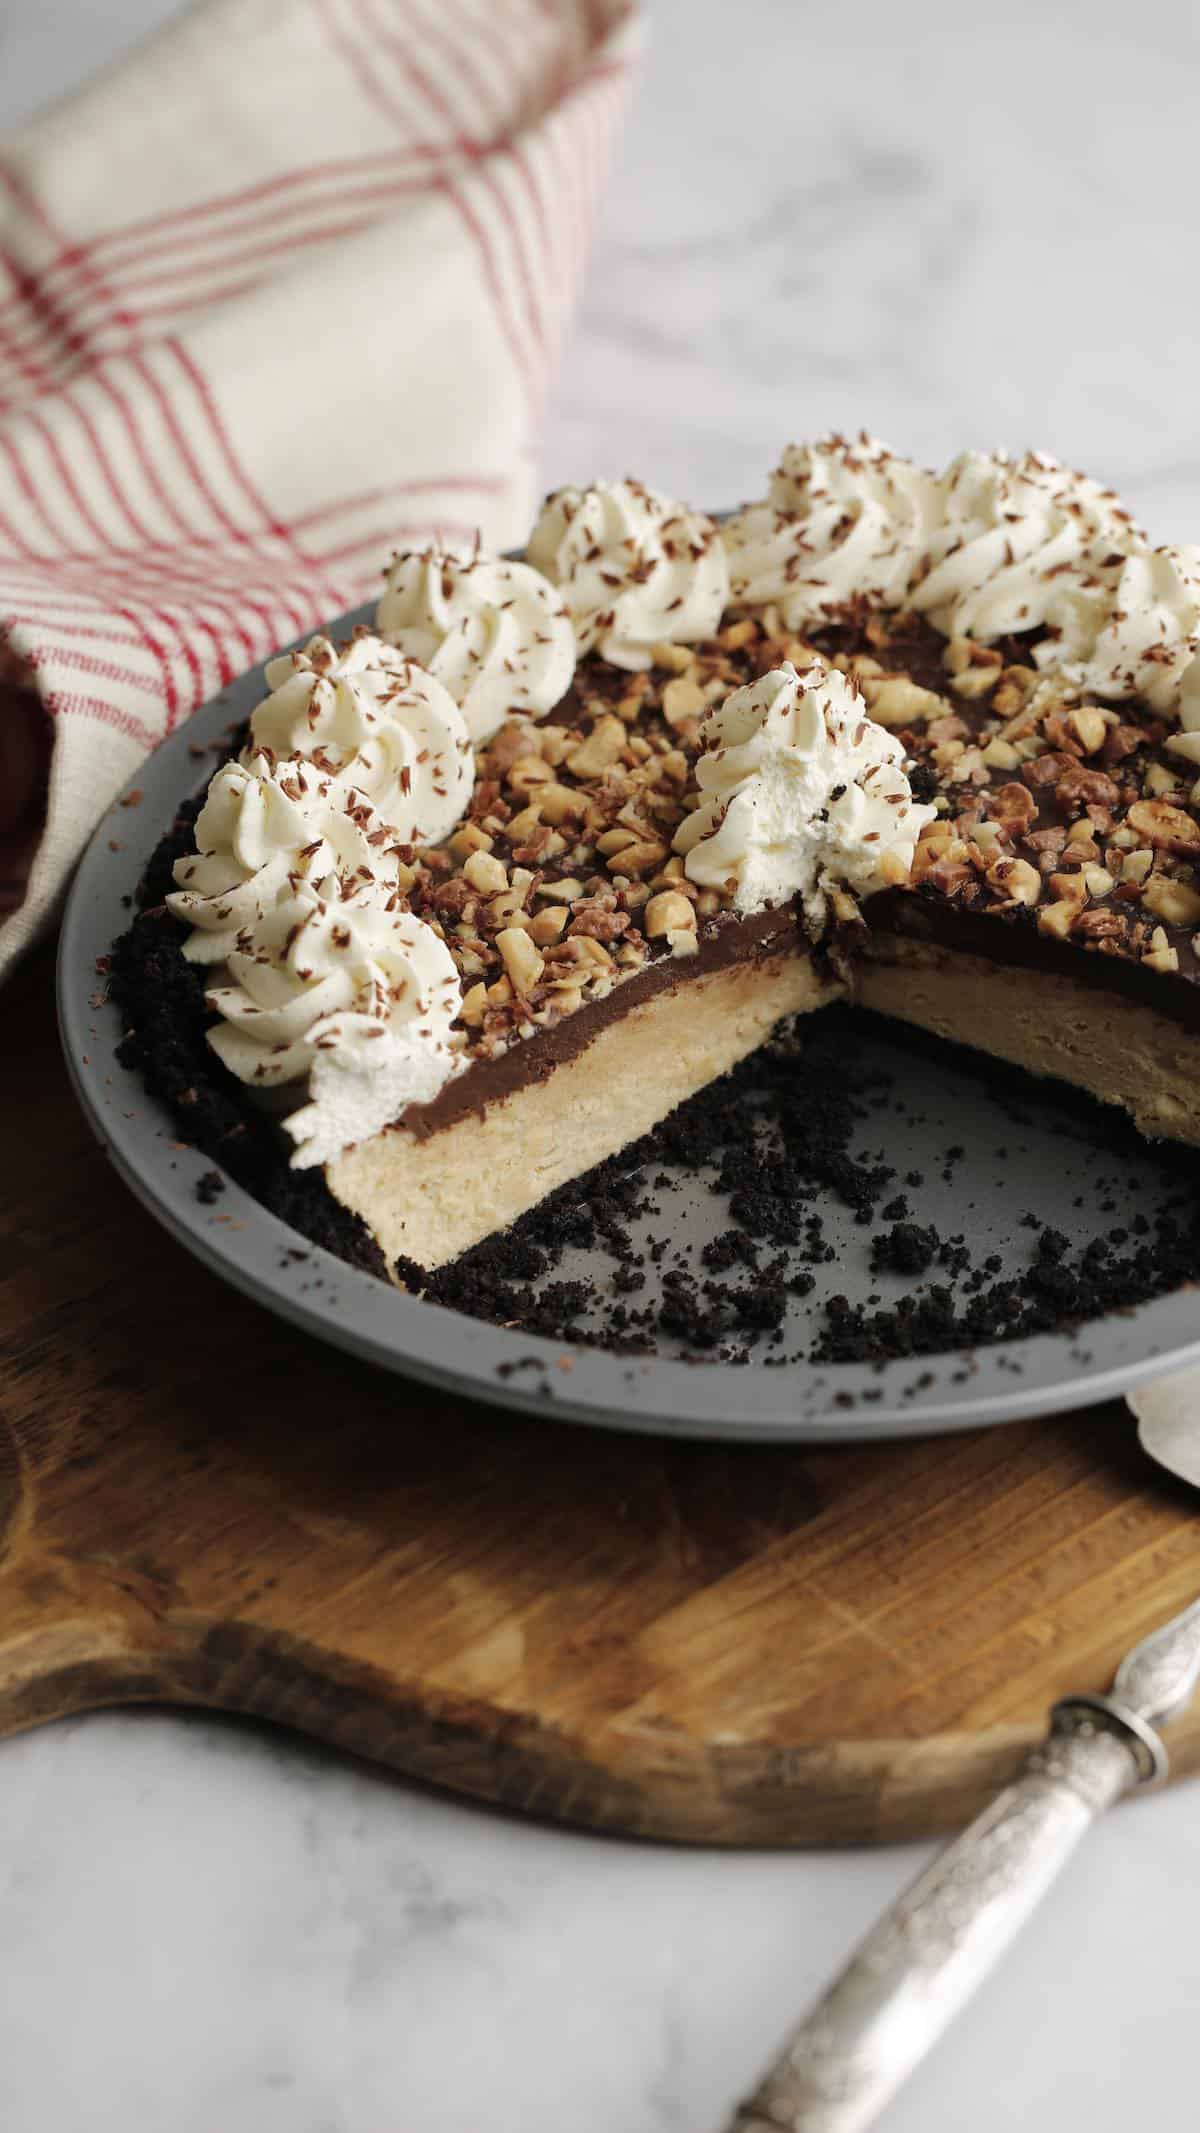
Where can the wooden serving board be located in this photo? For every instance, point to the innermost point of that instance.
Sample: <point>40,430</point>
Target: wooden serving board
<point>731,1645</point>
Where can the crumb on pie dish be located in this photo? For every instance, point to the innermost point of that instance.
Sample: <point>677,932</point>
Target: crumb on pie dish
<point>481,895</point>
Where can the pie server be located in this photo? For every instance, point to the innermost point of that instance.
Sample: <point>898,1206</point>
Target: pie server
<point>939,1940</point>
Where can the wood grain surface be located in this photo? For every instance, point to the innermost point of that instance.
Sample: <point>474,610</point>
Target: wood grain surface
<point>730,1645</point>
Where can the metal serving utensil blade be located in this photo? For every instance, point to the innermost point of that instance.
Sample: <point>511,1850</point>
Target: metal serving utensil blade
<point>1158,1678</point>
<point>939,1940</point>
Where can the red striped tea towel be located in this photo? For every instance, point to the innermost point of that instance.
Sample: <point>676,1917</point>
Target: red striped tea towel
<point>278,293</point>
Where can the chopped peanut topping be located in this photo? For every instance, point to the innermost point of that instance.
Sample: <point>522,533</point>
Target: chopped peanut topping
<point>668,913</point>
<point>1173,901</point>
<point>522,961</point>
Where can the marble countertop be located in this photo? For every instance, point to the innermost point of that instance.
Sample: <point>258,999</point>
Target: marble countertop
<point>956,226</point>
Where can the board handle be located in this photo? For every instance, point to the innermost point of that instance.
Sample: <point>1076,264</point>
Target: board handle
<point>926,1956</point>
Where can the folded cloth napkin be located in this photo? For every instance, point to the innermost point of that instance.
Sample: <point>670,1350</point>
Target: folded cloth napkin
<point>278,293</point>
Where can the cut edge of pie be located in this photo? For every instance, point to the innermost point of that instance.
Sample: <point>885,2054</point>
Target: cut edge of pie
<point>427,1199</point>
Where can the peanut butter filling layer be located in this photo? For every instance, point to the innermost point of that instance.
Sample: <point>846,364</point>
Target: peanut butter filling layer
<point>426,1200</point>
<point>1116,1047</point>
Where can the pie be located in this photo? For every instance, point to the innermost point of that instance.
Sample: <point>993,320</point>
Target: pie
<point>484,893</point>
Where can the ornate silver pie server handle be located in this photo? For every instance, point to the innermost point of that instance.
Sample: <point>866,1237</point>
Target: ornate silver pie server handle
<point>926,1956</point>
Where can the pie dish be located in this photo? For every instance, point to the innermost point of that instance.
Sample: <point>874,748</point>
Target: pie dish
<point>484,893</point>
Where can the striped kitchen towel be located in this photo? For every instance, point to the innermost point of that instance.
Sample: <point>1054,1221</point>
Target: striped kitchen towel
<point>281,291</point>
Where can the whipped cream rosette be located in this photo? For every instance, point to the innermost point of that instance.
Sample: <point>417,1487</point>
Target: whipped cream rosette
<point>295,891</point>
<point>994,546</point>
<point>635,569</point>
<point>494,632</point>
<point>801,792</point>
<point>1147,642</point>
<point>353,995</point>
<point>265,827</point>
<point>840,521</point>
<point>1021,544</point>
<point>377,722</point>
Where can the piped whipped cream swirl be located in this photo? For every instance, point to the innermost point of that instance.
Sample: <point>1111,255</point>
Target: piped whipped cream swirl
<point>266,829</point>
<point>1146,637</point>
<point>295,892</point>
<point>634,568</point>
<point>377,722</point>
<point>802,793</point>
<point>351,995</point>
<point>1021,544</point>
<point>495,633</point>
<point>841,519</point>
<point>992,546</point>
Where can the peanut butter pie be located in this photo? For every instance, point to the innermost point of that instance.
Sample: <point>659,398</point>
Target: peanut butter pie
<point>482,895</point>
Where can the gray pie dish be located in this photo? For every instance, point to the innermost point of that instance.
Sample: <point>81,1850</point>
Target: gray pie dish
<point>979,1196</point>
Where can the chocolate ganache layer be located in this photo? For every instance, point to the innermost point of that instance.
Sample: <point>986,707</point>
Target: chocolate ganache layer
<point>1013,938</point>
<point>722,943</point>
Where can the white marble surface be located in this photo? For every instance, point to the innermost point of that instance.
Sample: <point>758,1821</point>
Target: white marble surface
<point>822,215</point>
